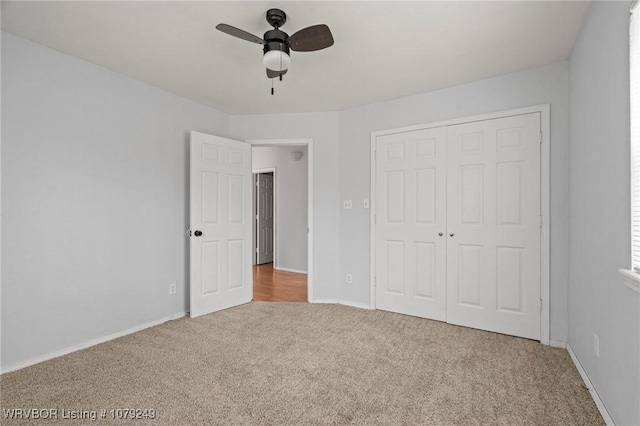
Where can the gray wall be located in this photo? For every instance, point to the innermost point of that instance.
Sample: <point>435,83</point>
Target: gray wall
<point>94,200</point>
<point>323,129</point>
<point>536,86</point>
<point>600,242</point>
<point>291,203</point>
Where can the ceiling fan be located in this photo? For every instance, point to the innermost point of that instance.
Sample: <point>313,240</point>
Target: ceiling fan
<point>277,43</point>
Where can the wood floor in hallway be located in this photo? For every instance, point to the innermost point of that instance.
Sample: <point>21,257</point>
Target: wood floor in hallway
<point>270,285</point>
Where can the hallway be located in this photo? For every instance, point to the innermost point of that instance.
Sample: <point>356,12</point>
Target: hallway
<point>270,285</point>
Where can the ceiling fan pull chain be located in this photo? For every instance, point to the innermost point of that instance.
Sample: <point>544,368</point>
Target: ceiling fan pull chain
<point>271,87</point>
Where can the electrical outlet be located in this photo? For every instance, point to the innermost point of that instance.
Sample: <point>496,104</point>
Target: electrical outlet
<point>596,345</point>
<point>365,203</point>
<point>348,204</point>
<point>172,288</point>
<point>348,279</point>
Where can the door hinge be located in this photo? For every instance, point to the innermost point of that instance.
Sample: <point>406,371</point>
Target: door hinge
<point>375,218</point>
<point>375,282</point>
<point>540,304</point>
<point>541,221</point>
<point>257,217</point>
<point>257,183</point>
<point>375,155</point>
<point>257,251</point>
<point>540,136</point>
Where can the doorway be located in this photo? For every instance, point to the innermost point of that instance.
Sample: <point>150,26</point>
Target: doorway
<point>281,204</point>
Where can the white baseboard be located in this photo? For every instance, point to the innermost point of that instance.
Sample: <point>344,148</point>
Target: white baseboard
<point>355,304</point>
<point>88,344</point>
<point>333,301</point>
<point>297,271</point>
<point>558,344</point>
<point>343,302</point>
<point>596,398</point>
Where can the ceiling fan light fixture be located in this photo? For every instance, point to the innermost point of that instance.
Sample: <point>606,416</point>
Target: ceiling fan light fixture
<point>276,60</point>
<point>277,43</point>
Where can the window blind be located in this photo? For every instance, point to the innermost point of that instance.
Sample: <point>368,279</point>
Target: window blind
<point>634,59</point>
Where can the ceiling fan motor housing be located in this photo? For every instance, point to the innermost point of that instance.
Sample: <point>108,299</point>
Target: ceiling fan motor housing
<point>276,50</point>
<point>276,17</point>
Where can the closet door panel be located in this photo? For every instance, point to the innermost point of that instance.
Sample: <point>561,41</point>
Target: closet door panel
<point>493,225</point>
<point>410,216</point>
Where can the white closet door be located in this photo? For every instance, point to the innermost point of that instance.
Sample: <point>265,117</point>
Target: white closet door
<point>493,225</point>
<point>410,216</point>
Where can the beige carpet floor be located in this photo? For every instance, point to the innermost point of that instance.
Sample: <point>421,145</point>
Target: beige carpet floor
<point>297,364</point>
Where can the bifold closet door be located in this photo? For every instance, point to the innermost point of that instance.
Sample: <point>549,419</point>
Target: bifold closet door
<point>493,225</point>
<point>410,223</point>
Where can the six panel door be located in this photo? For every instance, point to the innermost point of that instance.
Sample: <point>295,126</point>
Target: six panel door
<point>221,273</point>
<point>265,218</point>
<point>410,217</point>
<point>493,225</point>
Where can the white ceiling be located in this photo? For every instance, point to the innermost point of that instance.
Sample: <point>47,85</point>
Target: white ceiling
<point>382,50</point>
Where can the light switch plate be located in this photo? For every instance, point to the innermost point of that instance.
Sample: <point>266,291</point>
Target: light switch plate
<point>365,203</point>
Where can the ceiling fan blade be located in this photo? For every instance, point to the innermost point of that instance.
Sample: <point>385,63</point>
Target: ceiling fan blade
<point>311,38</point>
<point>274,74</point>
<point>237,32</point>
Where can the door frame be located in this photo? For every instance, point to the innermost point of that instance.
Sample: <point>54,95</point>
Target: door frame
<point>308,142</point>
<point>275,212</point>
<point>545,194</point>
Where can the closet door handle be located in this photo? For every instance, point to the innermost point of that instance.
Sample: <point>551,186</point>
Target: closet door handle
<point>451,234</point>
<point>440,234</point>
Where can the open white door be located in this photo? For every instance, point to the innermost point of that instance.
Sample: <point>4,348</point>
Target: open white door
<point>220,222</point>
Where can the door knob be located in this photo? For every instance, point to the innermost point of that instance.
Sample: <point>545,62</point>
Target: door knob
<point>451,234</point>
<point>440,234</point>
<point>197,233</point>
